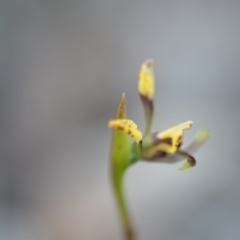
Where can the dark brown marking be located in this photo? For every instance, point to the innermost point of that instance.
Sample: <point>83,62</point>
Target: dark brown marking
<point>159,154</point>
<point>179,142</point>
<point>190,158</point>
<point>157,140</point>
<point>167,141</point>
<point>148,103</point>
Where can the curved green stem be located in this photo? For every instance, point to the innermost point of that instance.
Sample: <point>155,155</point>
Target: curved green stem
<point>120,160</point>
<point>122,206</point>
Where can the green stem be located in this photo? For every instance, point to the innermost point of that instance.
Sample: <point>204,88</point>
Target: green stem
<point>122,206</point>
<point>121,158</point>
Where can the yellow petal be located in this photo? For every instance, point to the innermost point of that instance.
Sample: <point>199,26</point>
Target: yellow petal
<point>146,80</point>
<point>174,135</point>
<point>127,126</point>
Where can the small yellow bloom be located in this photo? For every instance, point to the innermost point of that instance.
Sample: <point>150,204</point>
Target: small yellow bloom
<point>156,145</point>
<point>127,126</point>
<point>160,144</point>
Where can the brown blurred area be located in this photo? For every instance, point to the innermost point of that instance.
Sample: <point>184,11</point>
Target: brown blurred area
<point>64,65</point>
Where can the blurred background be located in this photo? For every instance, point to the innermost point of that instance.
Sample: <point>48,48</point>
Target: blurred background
<point>64,65</point>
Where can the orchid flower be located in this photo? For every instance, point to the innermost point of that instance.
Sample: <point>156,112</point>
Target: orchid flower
<point>161,146</point>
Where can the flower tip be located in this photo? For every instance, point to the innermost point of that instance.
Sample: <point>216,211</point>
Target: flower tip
<point>188,124</point>
<point>191,162</point>
<point>149,62</point>
<point>203,135</point>
<point>147,66</point>
<point>185,125</point>
<point>123,99</point>
<point>121,112</point>
<point>185,166</point>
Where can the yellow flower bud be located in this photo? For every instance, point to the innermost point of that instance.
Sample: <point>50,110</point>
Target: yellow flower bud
<point>146,92</point>
<point>146,80</point>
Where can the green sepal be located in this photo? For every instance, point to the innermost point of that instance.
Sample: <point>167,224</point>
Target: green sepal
<point>121,144</point>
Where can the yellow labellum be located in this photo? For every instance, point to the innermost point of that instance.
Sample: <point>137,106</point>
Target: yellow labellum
<point>146,80</point>
<point>175,134</point>
<point>127,126</point>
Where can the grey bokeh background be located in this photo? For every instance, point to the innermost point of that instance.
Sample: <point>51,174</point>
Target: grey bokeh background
<point>64,66</point>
